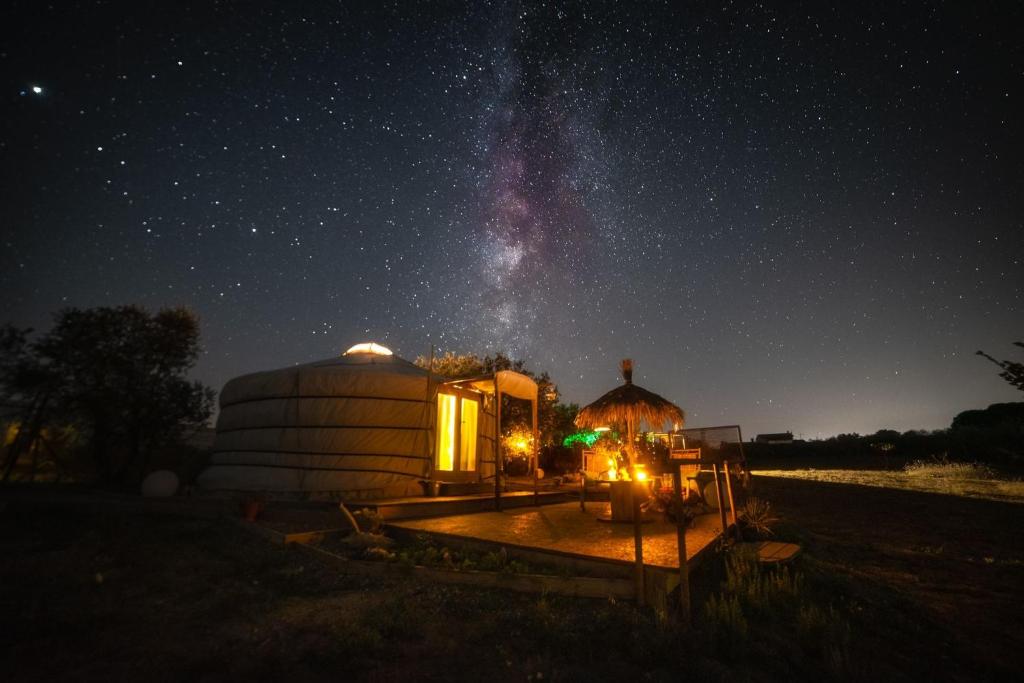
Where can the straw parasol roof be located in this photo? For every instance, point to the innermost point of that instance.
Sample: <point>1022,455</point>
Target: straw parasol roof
<point>629,404</point>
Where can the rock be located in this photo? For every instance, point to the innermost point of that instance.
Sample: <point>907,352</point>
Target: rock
<point>160,484</point>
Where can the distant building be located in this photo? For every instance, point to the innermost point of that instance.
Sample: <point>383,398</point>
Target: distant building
<point>784,437</point>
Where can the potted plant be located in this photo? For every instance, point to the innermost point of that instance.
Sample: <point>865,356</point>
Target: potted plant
<point>252,507</point>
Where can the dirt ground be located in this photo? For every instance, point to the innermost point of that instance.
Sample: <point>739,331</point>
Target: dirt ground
<point>957,561</point>
<point>930,586</point>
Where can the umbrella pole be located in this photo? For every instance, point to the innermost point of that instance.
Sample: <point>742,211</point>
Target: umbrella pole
<point>630,453</point>
<point>638,544</point>
<point>684,568</point>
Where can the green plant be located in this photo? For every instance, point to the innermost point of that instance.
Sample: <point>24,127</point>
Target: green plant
<point>726,626</point>
<point>825,634</point>
<point>762,590</point>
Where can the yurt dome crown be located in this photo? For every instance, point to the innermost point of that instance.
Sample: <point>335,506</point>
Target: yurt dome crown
<point>369,347</point>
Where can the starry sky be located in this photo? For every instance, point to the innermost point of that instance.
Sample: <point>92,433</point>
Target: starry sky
<point>801,218</point>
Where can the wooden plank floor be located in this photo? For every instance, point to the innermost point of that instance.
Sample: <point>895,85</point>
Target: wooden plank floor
<point>406,508</point>
<point>426,500</point>
<point>564,528</point>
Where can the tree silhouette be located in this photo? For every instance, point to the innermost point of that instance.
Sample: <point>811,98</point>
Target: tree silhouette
<point>118,374</point>
<point>1012,372</point>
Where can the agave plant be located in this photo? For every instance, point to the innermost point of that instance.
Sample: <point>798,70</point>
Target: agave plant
<point>757,515</point>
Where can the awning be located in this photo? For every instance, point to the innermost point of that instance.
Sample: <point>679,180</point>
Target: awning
<point>506,382</point>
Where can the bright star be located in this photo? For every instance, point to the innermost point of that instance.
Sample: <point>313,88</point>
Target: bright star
<point>37,90</point>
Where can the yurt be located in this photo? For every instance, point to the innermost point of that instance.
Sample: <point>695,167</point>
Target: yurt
<point>364,425</point>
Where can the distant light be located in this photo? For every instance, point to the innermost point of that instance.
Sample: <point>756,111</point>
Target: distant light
<point>37,90</point>
<point>641,475</point>
<point>602,429</point>
<point>369,347</point>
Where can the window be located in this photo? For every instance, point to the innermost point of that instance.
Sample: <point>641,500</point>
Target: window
<point>446,407</point>
<point>467,444</point>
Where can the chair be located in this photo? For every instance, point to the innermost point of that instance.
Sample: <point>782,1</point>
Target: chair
<point>687,463</point>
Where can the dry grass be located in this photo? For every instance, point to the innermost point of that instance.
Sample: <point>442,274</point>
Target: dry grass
<point>955,479</point>
<point>942,468</point>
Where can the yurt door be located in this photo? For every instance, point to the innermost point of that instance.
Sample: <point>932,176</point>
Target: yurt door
<point>457,424</point>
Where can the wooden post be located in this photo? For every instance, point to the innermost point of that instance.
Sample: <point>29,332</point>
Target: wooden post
<point>497,445</point>
<point>430,433</point>
<point>684,570</point>
<point>536,480</point>
<point>536,447</point>
<point>583,491</point>
<point>721,503</point>
<point>732,502</point>
<point>638,545</point>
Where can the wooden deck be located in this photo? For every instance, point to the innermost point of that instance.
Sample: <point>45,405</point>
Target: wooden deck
<point>420,506</point>
<point>564,529</point>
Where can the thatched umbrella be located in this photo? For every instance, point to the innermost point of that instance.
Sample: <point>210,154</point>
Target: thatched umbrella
<point>630,404</point>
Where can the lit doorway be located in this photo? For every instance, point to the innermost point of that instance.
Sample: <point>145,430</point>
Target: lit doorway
<point>457,422</point>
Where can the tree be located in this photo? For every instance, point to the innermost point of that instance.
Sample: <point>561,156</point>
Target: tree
<point>1012,372</point>
<point>460,366</point>
<point>118,374</point>
<point>996,416</point>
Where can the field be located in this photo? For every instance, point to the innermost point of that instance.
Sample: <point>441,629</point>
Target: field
<point>924,479</point>
<point>892,585</point>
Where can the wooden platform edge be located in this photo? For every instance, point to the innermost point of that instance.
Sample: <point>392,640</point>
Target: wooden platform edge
<point>583,587</point>
<point>306,537</point>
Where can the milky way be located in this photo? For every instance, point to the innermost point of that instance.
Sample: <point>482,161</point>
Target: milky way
<point>802,219</point>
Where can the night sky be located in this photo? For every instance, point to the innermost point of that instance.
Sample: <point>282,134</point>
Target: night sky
<point>805,218</point>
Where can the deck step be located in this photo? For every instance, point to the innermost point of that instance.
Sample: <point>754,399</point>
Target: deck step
<point>774,552</point>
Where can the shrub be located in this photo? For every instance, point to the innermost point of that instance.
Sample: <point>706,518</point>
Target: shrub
<point>726,626</point>
<point>943,468</point>
<point>826,635</point>
<point>763,591</point>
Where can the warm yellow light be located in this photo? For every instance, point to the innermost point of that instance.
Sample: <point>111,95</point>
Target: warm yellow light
<point>445,432</point>
<point>519,443</point>
<point>602,429</point>
<point>467,440</point>
<point>369,347</point>
<point>641,475</point>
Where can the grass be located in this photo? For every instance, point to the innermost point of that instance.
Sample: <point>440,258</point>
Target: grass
<point>422,550</point>
<point>892,585</point>
<point>942,468</point>
<point>969,480</point>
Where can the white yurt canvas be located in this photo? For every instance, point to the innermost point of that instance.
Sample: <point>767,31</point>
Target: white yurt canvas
<point>357,426</point>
